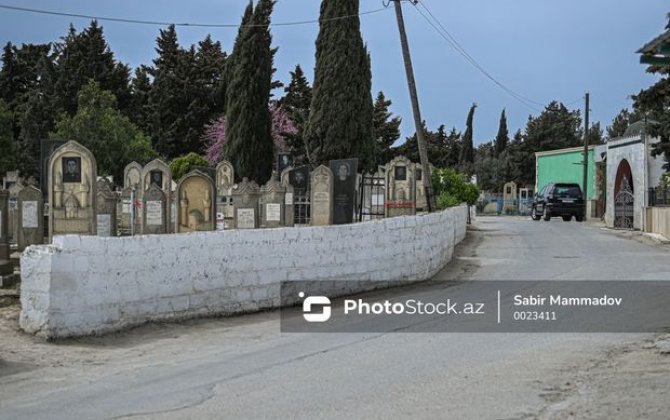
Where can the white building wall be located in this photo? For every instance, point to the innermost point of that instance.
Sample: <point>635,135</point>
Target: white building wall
<point>85,285</point>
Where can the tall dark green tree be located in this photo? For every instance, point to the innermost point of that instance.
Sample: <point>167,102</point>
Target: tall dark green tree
<point>387,129</point>
<point>8,146</point>
<point>467,158</point>
<point>140,90</point>
<point>249,137</point>
<point>341,115</point>
<point>621,122</point>
<point>85,56</point>
<point>502,138</point>
<point>296,103</point>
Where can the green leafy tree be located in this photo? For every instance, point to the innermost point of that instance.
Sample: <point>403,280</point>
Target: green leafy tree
<point>185,164</point>
<point>452,188</point>
<point>249,123</point>
<point>100,126</point>
<point>296,104</point>
<point>387,129</point>
<point>467,158</point>
<point>341,115</point>
<point>502,138</point>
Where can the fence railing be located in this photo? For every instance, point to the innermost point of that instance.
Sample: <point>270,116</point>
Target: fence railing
<point>659,196</point>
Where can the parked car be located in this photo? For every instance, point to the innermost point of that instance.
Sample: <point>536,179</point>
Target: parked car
<point>559,200</point>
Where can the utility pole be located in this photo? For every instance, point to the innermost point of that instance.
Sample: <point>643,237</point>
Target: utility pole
<point>586,152</point>
<point>411,83</point>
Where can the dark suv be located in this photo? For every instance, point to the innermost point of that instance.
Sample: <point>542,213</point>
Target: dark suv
<point>557,199</point>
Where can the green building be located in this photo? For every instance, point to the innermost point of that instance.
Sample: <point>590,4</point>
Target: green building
<point>565,165</point>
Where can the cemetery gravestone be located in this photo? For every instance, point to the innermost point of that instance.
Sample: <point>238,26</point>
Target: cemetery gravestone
<point>157,173</point>
<point>245,201</point>
<point>31,217</point>
<point>400,188</point>
<point>225,179</point>
<point>154,212</point>
<point>6,267</point>
<point>344,189</point>
<point>284,160</point>
<point>509,198</point>
<point>196,202</point>
<point>106,203</point>
<point>47,148</point>
<point>72,190</point>
<point>321,183</point>
<point>421,199</point>
<point>272,203</point>
<point>132,175</point>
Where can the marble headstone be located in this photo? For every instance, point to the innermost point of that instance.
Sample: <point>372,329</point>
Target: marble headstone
<point>272,203</point>
<point>72,190</point>
<point>106,203</point>
<point>225,179</point>
<point>400,187</point>
<point>245,201</point>
<point>196,202</point>
<point>154,214</point>
<point>321,182</point>
<point>344,189</point>
<point>5,265</point>
<point>157,173</point>
<point>31,217</point>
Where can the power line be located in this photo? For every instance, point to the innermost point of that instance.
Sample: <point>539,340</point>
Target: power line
<point>444,33</point>
<point>193,25</point>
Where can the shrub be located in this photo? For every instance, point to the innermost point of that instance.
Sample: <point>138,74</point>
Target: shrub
<point>452,188</point>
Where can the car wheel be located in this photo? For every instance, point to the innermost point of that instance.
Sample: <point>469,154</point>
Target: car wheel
<point>533,215</point>
<point>546,215</point>
<point>579,218</point>
<point>567,218</point>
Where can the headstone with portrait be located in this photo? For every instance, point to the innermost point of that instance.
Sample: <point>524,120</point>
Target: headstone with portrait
<point>30,217</point>
<point>284,160</point>
<point>72,190</point>
<point>344,189</point>
<point>321,183</point>
<point>245,200</point>
<point>47,147</point>
<point>272,201</point>
<point>156,173</point>
<point>105,205</point>
<point>196,212</point>
<point>299,179</point>
<point>510,198</point>
<point>400,187</point>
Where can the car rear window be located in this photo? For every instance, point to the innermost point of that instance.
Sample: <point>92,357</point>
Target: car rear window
<point>568,190</point>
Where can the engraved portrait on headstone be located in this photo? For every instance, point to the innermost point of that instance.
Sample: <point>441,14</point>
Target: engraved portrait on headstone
<point>157,173</point>
<point>400,187</point>
<point>284,160</point>
<point>72,190</point>
<point>344,189</point>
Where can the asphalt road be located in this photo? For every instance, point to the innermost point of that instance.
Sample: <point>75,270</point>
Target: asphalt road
<point>245,368</point>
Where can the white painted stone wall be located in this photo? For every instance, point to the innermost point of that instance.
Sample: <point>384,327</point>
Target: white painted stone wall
<point>82,285</point>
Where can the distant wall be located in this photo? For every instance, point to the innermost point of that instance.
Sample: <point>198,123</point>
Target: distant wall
<point>84,285</point>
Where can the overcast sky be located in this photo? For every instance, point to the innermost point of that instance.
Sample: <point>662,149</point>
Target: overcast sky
<point>540,49</point>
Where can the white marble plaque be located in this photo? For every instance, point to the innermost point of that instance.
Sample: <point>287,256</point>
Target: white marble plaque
<point>125,207</point>
<point>104,225</point>
<point>246,219</point>
<point>220,221</point>
<point>289,199</point>
<point>29,215</point>
<point>377,199</point>
<point>154,213</point>
<point>273,212</point>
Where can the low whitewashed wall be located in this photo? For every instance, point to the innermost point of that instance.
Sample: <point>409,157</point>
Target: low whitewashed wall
<point>84,285</point>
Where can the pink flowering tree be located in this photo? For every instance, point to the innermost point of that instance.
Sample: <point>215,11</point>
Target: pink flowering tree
<point>215,134</point>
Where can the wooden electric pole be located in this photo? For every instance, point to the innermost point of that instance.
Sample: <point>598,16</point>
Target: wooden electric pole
<point>418,122</point>
<point>586,153</point>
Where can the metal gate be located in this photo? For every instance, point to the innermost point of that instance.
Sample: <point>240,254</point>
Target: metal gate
<point>301,208</point>
<point>373,193</point>
<point>624,206</point>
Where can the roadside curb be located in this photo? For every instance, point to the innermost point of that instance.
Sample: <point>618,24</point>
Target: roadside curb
<point>652,238</point>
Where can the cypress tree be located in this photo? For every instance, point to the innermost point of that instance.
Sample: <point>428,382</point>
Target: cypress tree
<point>340,121</point>
<point>249,138</point>
<point>503,135</point>
<point>296,103</point>
<point>467,157</point>
<point>387,129</point>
